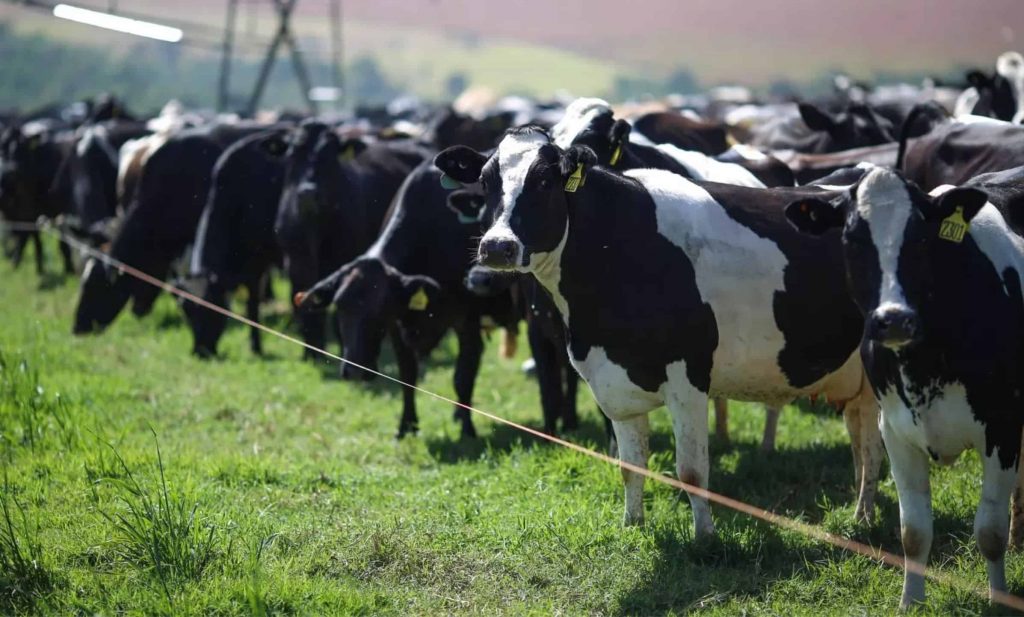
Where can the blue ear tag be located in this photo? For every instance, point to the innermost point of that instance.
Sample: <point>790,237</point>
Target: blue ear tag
<point>449,182</point>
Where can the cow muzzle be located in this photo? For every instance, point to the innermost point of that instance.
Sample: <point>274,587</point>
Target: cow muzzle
<point>499,253</point>
<point>893,327</point>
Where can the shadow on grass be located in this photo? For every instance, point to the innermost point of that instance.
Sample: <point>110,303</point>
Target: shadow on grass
<point>50,281</point>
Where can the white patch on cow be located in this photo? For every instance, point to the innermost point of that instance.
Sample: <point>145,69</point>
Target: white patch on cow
<point>749,153</point>
<point>546,267</point>
<point>945,424</point>
<point>516,155</point>
<point>618,396</point>
<point>703,167</point>
<point>883,201</point>
<point>1011,66</point>
<point>966,102</point>
<point>738,274</point>
<point>578,116</point>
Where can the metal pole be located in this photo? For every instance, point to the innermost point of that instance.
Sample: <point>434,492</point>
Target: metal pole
<point>223,94</point>
<point>268,60</point>
<point>337,55</point>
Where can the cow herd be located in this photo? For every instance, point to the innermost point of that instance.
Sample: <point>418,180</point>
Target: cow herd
<point>867,247</point>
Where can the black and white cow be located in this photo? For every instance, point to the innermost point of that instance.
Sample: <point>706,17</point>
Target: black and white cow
<point>409,286</point>
<point>1000,95</point>
<point>672,291</point>
<point>333,204</point>
<point>957,151</point>
<point>938,278</point>
<point>29,162</point>
<point>235,243</point>
<point>817,131</point>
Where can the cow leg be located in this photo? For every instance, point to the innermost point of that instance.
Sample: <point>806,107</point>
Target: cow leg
<point>633,438</point>
<point>689,410</point>
<point>771,427</point>
<point>722,419</point>
<point>37,243</point>
<point>871,454</point>
<point>992,521</point>
<point>910,467</point>
<point>549,376</point>
<point>851,416</point>
<point>20,240</point>
<point>1017,507</point>
<point>467,366</point>
<point>570,415</point>
<point>408,367</point>
<point>65,254</point>
<point>252,311</point>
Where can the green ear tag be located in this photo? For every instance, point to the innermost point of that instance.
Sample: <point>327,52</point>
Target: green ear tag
<point>954,227</point>
<point>576,180</point>
<point>347,154</point>
<point>449,182</point>
<point>615,155</point>
<point>419,300</point>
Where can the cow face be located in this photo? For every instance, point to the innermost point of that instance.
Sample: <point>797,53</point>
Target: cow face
<point>1001,95</point>
<point>312,182</point>
<point>893,234</point>
<point>524,184</point>
<point>857,126</point>
<point>103,293</point>
<point>369,295</point>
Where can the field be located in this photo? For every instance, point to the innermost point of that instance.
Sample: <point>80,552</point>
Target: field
<point>138,480</point>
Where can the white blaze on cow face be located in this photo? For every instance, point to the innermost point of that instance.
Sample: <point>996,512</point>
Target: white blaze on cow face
<point>579,115</point>
<point>515,156</point>
<point>884,203</point>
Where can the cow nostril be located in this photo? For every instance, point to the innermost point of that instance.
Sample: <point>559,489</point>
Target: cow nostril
<point>510,251</point>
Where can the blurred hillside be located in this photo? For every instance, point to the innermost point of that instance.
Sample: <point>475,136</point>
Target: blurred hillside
<point>430,47</point>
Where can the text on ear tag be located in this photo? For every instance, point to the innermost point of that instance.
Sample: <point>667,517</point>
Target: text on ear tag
<point>615,155</point>
<point>954,227</point>
<point>419,300</point>
<point>576,180</point>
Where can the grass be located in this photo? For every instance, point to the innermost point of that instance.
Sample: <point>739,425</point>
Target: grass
<point>270,487</point>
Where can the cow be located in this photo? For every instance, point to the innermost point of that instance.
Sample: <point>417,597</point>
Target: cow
<point>818,131</point>
<point>409,285</point>
<point>332,206</point>
<point>159,227</point>
<point>938,278</point>
<point>957,151</point>
<point>29,161</point>
<point>674,291</point>
<point>1000,95</point>
<point>665,127</point>
<point>235,243</point>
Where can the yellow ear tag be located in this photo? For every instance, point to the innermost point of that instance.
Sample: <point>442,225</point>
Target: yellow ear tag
<point>954,226</point>
<point>419,301</point>
<point>615,155</point>
<point>347,154</point>
<point>576,180</point>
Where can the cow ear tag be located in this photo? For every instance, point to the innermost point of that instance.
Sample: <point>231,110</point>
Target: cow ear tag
<point>576,180</point>
<point>954,226</point>
<point>347,154</point>
<point>450,183</point>
<point>616,153</point>
<point>419,300</point>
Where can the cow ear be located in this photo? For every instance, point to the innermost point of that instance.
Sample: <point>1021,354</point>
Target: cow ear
<point>419,293</point>
<point>574,165</point>
<point>319,295</point>
<point>350,149</point>
<point>968,201</point>
<point>274,145</point>
<point>619,136</point>
<point>814,216</point>
<point>468,206</point>
<point>816,119</point>
<point>462,163</point>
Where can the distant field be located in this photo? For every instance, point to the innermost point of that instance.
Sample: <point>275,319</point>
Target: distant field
<point>304,503</point>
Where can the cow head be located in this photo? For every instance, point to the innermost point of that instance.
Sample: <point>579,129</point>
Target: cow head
<point>1000,95</point>
<point>369,295</point>
<point>591,123</point>
<point>524,184</point>
<point>858,125</point>
<point>312,181</point>
<point>896,239</point>
<point>103,293</point>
